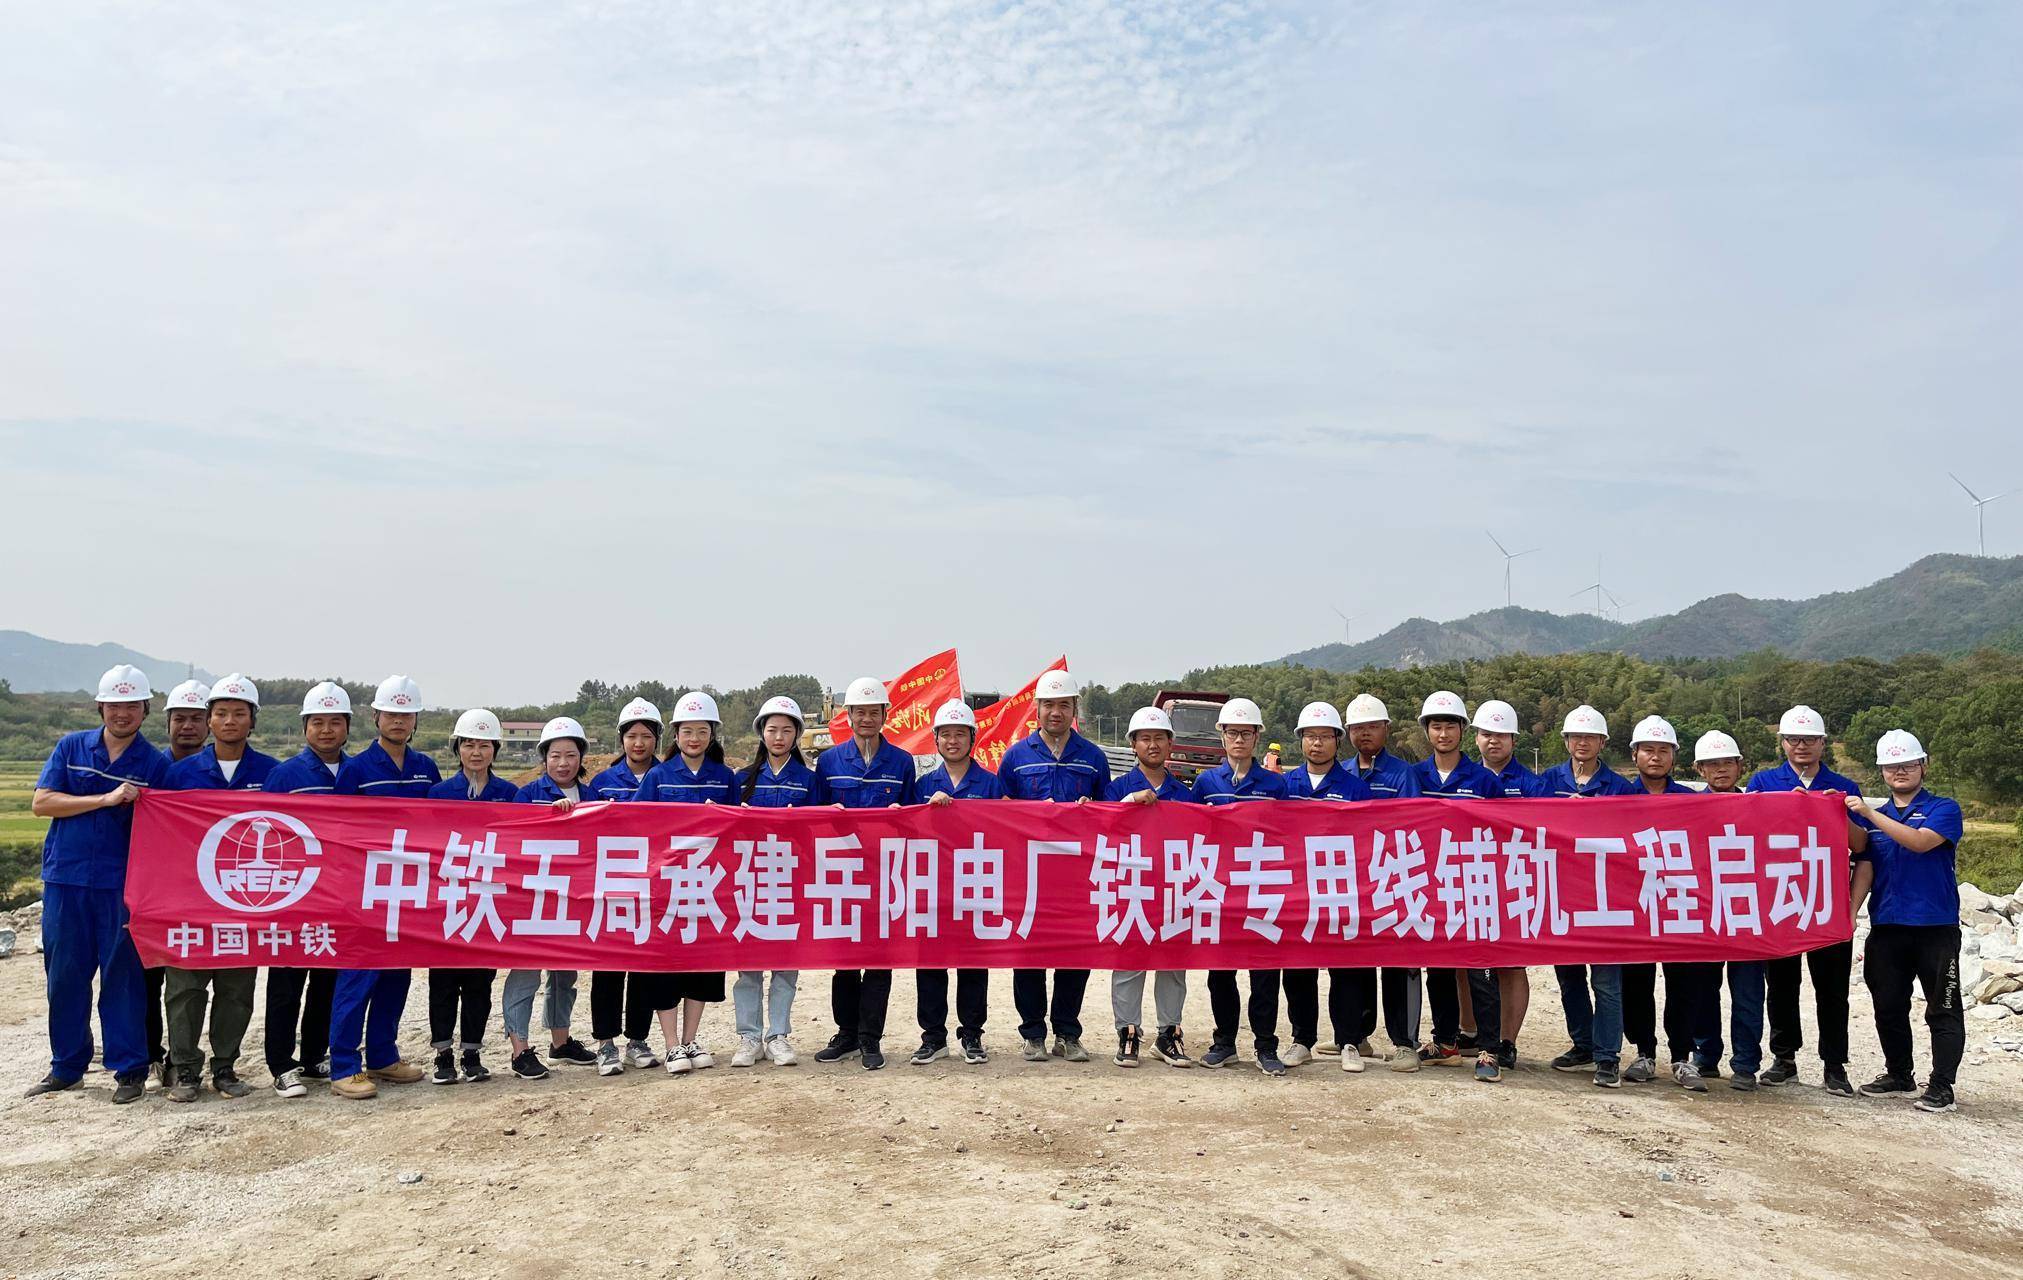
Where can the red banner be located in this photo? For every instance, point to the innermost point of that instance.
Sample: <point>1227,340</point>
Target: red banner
<point>915,695</point>
<point>222,878</point>
<point>1006,721</point>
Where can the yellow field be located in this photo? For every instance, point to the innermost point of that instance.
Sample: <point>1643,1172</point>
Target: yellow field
<point>17,785</point>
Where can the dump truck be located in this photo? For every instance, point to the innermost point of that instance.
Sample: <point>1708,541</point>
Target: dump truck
<point>1196,743</point>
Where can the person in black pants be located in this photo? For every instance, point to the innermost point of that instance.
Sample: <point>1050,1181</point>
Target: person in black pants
<point>1693,1021</point>
<point>459,1005</point>
<point>958,778</point>
<point>298,998</point>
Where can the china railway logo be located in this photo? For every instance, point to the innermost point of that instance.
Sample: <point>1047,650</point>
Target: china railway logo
<point>258,861</point>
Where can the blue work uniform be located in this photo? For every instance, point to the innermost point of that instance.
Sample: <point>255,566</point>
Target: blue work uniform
<point>84,917</point>
<point>1558,783</point>
<point>618,782</point>
<point>1580,1007</point>
<point>303,773</point>
<point>1219,786</point>
<point>1917,889</point>
<point>458,787</point>
<point>972,986</point>
<point>202,772</point>
<point>1468,780</point>
<point>978,783</point>
<point>1338,783</point>
<point>1388,777</point>
<point>1915,911</point>
<point>1134,782</point>
<point>673,782</point>
<point>1350,991</point>
<point>1031,771</point>
<point>793,787</point>
<point>300,998</point>
<point>545,790</point>
<point>858,997</point>
<point>368,1003</point>
<point>1516,781</point>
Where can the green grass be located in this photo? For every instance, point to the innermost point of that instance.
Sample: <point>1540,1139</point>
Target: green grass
<point>17,788</point>
<point>1991,856</point>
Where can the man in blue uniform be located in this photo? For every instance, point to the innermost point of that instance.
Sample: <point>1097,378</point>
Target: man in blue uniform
<point>1240,779</point>
<point>1322,777</point>
<point>958,777</point>
<point>1692,989</point>
<point>87,790</point>
<point>1585,732</point>
<point>1496,743</point>
<point>1801,732</point>
<point>1053,763</point>
<point>1718,760</point>
<point>1368,723</point>
<point>1450,774</point>
<point>301,997</point>
<point>367,1003</point>
<point>188,713</point>
<point>228,764</point>
<point>1914,923</point>
<point>867,772</point>
<point>1148,782</point>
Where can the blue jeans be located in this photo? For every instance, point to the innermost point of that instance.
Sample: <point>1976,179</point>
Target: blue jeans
<point>84,935</point>
<point>779,1001</point>
<point>516,1002</point>
<point>366,1006</point>
<point>1745,1016</point>
<point>1580,1011</point>
<point>1608,1024</point>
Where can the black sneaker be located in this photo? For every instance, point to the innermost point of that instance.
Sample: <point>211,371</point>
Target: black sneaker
<point>972,1050</point>
<point>1573,1060</point>
<point>1127,1047</point>
<point>1506,1055</point>
<point>1171,1048</point>
<point>1743,1082</point>
<point>1467,1043</point>
<point>186,1088</point>
<point>1709,1070</point>
<point>874,1058</point>
<point>1887,1085</point>
<point>228,1083</point>
<point>571,1053</point>
<point>1936,1098</point>
<point>49,1084</point>
<point>839,1049</point>
<point>1607,1076</point>
<point>1782,1071</point>
<point>445,1071</point>
<point>1268,1063</point>
<point>472,1069</point>
<point>1836,1082</point>
<point>130,1087</point>
<point>928,1051</point>
<point>527,1065</point>
<point>1218,1054</point>
<point>315,1071</point>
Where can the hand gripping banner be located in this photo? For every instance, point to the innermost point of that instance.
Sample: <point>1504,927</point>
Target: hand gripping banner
<point>223,878</point>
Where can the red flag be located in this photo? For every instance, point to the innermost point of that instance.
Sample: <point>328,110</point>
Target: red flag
<point>915,695</point>
<point>1007,721</point>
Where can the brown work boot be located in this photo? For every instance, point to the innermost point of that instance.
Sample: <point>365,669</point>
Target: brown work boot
<point>358,1086</point>
<point>398,1073</point>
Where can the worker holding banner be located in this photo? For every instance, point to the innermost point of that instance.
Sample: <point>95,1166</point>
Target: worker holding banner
<point>460,997</point>
<point>958,778</point>
<point>1151,738</point>
<point>1324,777</point>
<point>1448,772</point>
<point>777,778</point>
<point>1055,763</point>
<point>1692,990</point>
<point>1718,760</point>
<point>1368,723</point>
<point>1495,726</point>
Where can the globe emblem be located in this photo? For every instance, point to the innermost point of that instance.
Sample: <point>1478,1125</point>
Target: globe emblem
<point>258,861</point>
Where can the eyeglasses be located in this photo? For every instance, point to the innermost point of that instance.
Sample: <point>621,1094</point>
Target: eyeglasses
<point>1903,768</point>
<point>1241,735</point>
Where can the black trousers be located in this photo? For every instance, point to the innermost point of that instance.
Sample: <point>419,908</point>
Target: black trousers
<point>1832,969</point>
<point>1640,1008</point>
<point>1402,996</point>
<point>1352,1005</point>
<point>1029,995</point>
<point>857,999</point>
<point>1303,1004</point>
<point>459,991</point>
<point>972,1002</point>
<point>1693,1011</point>
<point>1445,1000</point>
<point>298,997</point>
<point>626,1002</point>
<point>1896,955</point>
<point>1224,1003</point>
<point>157,1026</point>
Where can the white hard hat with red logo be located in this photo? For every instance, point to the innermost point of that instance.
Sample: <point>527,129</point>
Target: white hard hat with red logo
<point>955,713</point>
<point>1443,704</point>
<point>1585,719</point>
<point>190,695</point>
<point>560,728</point>
<point>397,693</point>
<point>479,724</point>
<point>1899,746</point>
<point>1715,745</point>
<point>1802,722</point>
<point>1496,716</point>
<point>1366,708</point>
<point>779,706</point>
<point>694,706</point>
<point>1240,713</point>
<point>326,699</point>
<point>1148,718</point>
<point>124,683</point>
<point>1319,715</point>
<point>1057,684</point>
<point>234,688</point>
<point>1654,729</point>
<point>866,692</point>
<point>638,711</point>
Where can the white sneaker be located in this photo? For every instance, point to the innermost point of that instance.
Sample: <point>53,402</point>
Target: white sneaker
<point>748,1051</point>
<point>1352,1061</point>
<point>640,1054</point>
<point>1295,1054</point>
<point>698,1055</point>
<point>781,1052</point>
<point>679,1063</point>
<point>608,1061</point>
<point>289,1085</point>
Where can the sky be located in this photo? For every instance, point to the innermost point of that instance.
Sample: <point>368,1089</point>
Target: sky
<point>506,345</point>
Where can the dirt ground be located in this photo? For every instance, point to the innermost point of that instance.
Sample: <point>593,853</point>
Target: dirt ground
<point>1008,1168</point>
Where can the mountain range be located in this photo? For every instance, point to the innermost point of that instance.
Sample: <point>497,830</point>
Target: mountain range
<point>1941,604</point>
<point>32,664</point>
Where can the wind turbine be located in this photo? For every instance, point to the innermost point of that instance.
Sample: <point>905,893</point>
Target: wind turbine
<point>1346,618</point>
<point>1980,509</point>
<point>1508,556</point>
<point>1599,590</point>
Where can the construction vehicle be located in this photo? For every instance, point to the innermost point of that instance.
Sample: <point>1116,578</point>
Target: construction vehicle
<point>1197,744</point>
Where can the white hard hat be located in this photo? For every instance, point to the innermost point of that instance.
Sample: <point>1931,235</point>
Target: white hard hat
<point>1366,708</point>
<point>478,723</point>
<point>866,692</point>
<point>1239,712</point>
<point>1898,746</point>
<point>1496,716</point>
<point>694,705</point>
<point>1148,718</point>
<point>190,695</point>
<point>955,713</point>
<point>1585,719</point>
<point>1443,704</point>
<point>326,699</point>
<point>234,688</point>
<point>1715,745</point>
<point>397,693</point>
<point>1320,715</point>
<point>637,710</point>
<point>1057,684</point>
<point>559,728</point>
<point>1802,722</point>
<point>124,684</point>
<point>1654,729</point>
<point>780,706</point>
